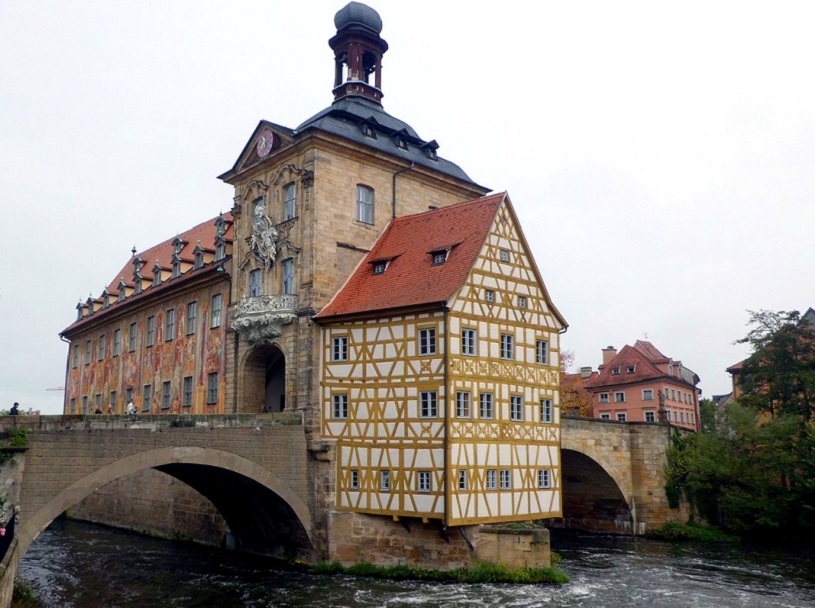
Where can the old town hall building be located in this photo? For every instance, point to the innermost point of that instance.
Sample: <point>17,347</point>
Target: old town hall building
<point>366,282</point>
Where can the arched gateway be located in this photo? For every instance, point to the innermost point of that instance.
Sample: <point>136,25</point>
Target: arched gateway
<point>264,380</point>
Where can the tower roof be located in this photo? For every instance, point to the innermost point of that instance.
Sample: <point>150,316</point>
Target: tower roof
<point>356,14</point>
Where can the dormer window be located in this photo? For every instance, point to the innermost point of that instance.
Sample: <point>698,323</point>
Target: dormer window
<point>178,245</point>
<point>368,130</point>
<point>220,225</point>
<point>176,267</point>
<point>615,371</point>
<point>220,249</point>
<point>122,290</point>
<point>79,310</point>
<point>440,257</point>
<point>156,274</point>
<point>105,299</point>
<point>380,266</point>
<point>430,150</point>
<point>400,141</point>
<point>199,257</point>
<point>630,369</point>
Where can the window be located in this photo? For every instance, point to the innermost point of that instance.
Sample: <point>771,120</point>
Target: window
<point>544,478</point>
<point>505,255</point>
<point>424,481</point>
<point>212,388</point>
<point>113,399</point>
<point>131,337</point>
<point>117,342</point>
<point>165,395</point>
<point>507,346</point>
<point>516,408</point>
<point>385,481</point>
<point>147,398</point>
<point>88,352</point>
<point>176,272</point>
<point>521,302</point>
<point>647,394</point>
<point>354,479</point>
<point>254,283</point>
<point>187,396</point>
<point>380,267</point>
<point>75,358</point>
<point>542,352</point>
<point>621,417</point>
<point>102,346</point>
<point>429,404</point>
<point>619,397</point>
<point>128,395</point>
<point>340,406</point>
<point>546,411</point>
<point>169,325</point>
<point>85,404</point>
<point>603,397</point>
<point>216,311</point>
<point>492,483</point>
<point>73,406</point>
<point>615,371</point>
<point>439,258</point>
<point>287,284</point>
<point>506,479</point>
<point>650,417</point>
<point>468,342</point>
<point>365,205</point>
<point>489,295</point>
<point>220,251</point>
<point>151,330</point>
<point>463,404</point>
<point>199,259</point>
<point>98,401</point>
<point>673,394</point>
<point>605,416</point>
<point>630,369</point>
<point>289,196</point>
<point>462,480</point>
<point>192,316</point>
<point>427,341</point>
<point>339,349</point>
<point>485,401</point>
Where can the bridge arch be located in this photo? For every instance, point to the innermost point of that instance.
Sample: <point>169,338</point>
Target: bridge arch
<point>597,495</point>
<point>256,503</point>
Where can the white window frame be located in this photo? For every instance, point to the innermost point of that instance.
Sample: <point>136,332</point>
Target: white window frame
<point>365,204</point>
<point>339,406</point>
<point>542,352</point>
<point>492,479</point>
<point>486,406</point>
<point>647,394</point>
<point>546,412</point>
<point>619,396</point>
<point>462,480</point>
<point>255,283</point>
<point>605,416</point>
<point>424,483</point>
<point>289,201</point>
<point>652,415</point>
<point>544,479</point>
<point>603,397</point>
<point>508,346</point>
<point>428,404</point>
<point>427,341</point>
<point>504,255</point>
<point>384,480</point>
<point>469,340</point>
<point>516,408</point>
<point>464,404</point>
<point>287,279</point>
<point>489,295</point>
<point>339,348</point>
<point>622,417</point>
<point>506,479</point>
<point>353,483</point>
<point>215,313</point>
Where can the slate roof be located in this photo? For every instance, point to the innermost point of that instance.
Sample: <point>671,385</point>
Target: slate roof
<point>411,279</point>
<point>346,116</point>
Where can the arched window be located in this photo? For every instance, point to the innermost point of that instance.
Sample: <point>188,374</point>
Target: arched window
<point>365,204</point>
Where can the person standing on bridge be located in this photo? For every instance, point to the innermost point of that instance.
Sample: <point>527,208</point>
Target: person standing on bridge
<point>15,409</point>
<point>131,409</point>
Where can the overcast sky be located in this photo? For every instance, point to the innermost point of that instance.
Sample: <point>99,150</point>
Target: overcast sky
<point>660,157</point>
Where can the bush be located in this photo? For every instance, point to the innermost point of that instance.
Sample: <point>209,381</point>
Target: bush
<point>677,531</point>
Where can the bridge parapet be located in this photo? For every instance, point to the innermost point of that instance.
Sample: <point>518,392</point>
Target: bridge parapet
<point>103,422</point>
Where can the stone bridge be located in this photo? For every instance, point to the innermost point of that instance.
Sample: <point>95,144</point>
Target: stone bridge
<point>258,472</point>
<point>613,476</point>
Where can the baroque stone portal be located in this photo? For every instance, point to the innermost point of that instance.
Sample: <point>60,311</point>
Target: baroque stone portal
<point>260,320</point>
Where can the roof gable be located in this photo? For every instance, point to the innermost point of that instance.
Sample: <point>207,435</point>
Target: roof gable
<point>407,246</point>
<point>616,372</point>
<point>266,139</point>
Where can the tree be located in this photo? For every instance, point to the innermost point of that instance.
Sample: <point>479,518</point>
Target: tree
<point>575,400</point>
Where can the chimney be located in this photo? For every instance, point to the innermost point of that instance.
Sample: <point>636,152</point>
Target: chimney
<point>609,352</point>
<point>585,372</point>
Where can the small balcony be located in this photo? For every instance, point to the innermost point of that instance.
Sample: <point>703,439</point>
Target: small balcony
<point>259,320</point>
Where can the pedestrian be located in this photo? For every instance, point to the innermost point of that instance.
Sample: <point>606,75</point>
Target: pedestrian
<point>131,409</point>
<point>110,408</point>
<point>15,409</point>
<point>98,410</point>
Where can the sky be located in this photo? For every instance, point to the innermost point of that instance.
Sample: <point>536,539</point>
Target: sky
<point>659,155</point>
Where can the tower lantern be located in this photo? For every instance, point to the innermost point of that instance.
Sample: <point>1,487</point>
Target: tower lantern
<point>358,50</point>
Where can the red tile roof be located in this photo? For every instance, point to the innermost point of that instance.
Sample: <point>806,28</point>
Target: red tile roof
<point>650,351</point>
<point>644,369</point>
<point>411,279</point>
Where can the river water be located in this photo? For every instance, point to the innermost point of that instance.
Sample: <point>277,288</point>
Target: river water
<point>78,565</point>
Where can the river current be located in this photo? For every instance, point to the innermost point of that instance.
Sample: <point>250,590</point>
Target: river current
<point>78,565</point>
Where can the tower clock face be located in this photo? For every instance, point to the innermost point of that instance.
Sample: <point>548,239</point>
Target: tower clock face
<point>266,142</point>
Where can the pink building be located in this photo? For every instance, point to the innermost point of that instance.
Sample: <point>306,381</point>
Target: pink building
<point>640,384</point>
